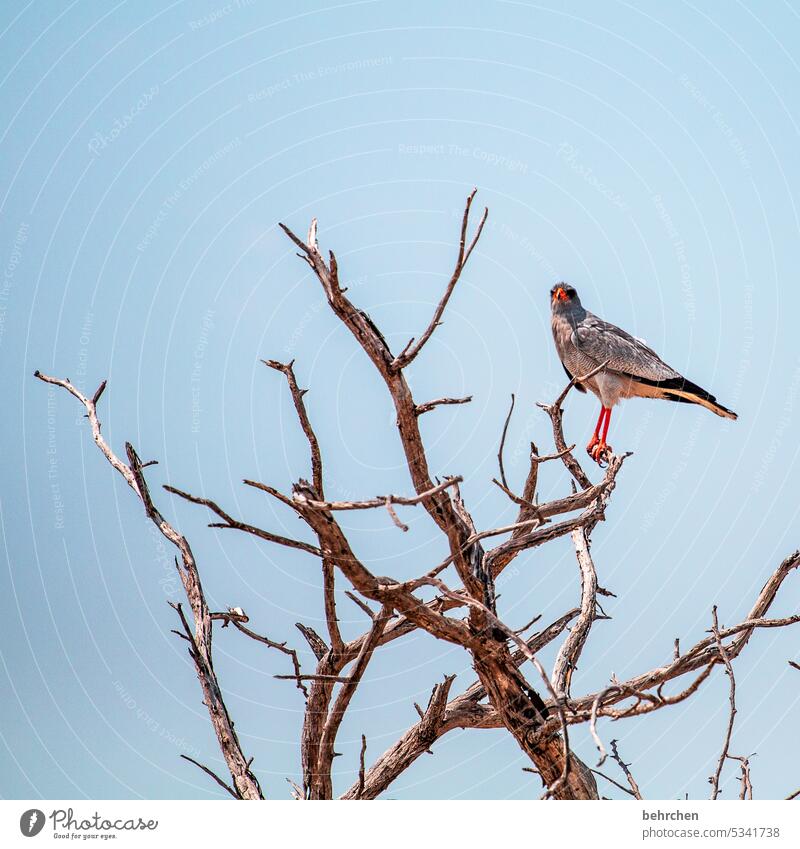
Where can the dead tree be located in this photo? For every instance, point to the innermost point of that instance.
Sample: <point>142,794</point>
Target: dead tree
<point>512,690</point>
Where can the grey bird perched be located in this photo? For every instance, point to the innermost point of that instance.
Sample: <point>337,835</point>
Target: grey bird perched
<point>632,370</point>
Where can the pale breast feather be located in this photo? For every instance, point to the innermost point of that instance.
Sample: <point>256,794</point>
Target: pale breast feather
<point>603,342</point>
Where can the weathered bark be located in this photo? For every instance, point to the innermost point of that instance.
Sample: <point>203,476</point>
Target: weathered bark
<point>523,713</point>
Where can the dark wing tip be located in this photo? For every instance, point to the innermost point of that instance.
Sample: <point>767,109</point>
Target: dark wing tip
<point>681,384</point>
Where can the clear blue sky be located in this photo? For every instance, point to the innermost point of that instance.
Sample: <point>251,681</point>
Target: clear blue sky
<point>645,152</point>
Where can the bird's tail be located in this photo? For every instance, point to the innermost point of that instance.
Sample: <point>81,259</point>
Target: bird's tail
<point>684,391</point>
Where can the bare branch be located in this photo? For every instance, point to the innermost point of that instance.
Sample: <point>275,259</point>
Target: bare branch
<point>502,445</point>
<point>465,711</point>
<point>555,787</point>
<point>411,350</point>
<point>731,697</point>
<point>98,392</point>
<point>393,515</point>
<point>540,726</point>
<point>556,413</point>
<point>615,783</point>
<point>593,726</point>
<point>746,791</point>
<point>329,596</point>
<point>703,655</point>
<point>414,743</point>
<point>529,624</point>
<point>499,556</point>
<point>570,651</point>
<point>229,522</point>
<point>334,679</point>
<point>213,775</point>
<point>270,490</point>
<point>297,397</point>
<point>244,781</point>
<point>334,720</point>
<point>318,645</point>
<point>384,590</point>
<point>625,768</point>
<point>281,647</point>
<point>356,600</point>
<point>438,506</point>
<point>361,757</point>
<point>378,501</point>
<point>439,402</point>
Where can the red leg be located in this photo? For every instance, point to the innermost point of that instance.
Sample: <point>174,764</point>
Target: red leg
<point>605,426</point>
<point>599,422</point>
<point>600,447</point>
<point>596,435</point>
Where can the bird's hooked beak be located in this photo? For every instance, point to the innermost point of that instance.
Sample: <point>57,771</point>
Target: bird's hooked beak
<point>560,294</point>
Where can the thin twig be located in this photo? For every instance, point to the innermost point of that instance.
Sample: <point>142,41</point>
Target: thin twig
<point>731,698</point>
<point>378,501</point>
<point>361,768</point>
<point>502,444</point>
<point>439,402</point>
<point>411,350</point>
<point>593,725</point>
<point>625,768</point>
<point>615,783</point>
<point>335,679</point>
<point>329,600</point>
<point>556,413</point>
<point>213,775</point>
<point>317,644</point>
<point>363,605</point>
<point>281,647</point>
<point>297,397</point>
<point>235,524</point>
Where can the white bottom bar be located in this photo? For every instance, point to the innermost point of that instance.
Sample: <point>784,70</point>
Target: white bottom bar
<point>385,825</point>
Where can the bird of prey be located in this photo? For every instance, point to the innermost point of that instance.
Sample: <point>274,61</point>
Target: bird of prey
<point>629,368</point>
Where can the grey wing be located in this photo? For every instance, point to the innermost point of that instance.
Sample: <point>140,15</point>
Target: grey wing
<point>601,342</point>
